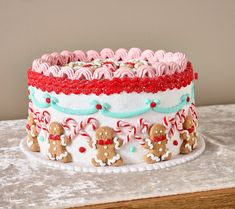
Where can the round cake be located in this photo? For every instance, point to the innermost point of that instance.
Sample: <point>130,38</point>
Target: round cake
<point>111,108</point>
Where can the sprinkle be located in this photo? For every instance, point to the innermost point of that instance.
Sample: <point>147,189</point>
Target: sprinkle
<point>41,138</point>
<point>132,149</point>
<point>82,149</point>
<point>175,142</point>
<point>153,104</point>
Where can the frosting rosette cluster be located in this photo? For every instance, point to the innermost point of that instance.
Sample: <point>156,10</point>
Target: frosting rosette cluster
<point>109,64</point>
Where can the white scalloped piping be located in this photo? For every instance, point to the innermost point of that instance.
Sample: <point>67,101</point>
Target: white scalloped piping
<point>116,142</point>
<point>153,157</point>
<point>100,162</point>
<point>149,143</point>
<point>113,159</point>
<point>165,155</point>
<point>62,139</point>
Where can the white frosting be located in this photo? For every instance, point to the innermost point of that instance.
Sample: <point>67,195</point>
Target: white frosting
<point>129,101</point>
<point>176,160</point>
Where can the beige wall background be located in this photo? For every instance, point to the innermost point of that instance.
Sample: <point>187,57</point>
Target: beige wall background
<point>204,30</point>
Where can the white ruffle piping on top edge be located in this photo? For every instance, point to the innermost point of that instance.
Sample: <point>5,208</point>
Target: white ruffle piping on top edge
<point>176,160</point>
<point>146,64</point>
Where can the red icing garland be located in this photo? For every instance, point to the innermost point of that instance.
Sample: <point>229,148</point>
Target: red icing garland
<point>116,85</point>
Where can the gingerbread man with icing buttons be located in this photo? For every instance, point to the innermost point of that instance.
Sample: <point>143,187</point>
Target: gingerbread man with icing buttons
<point>32,140</point>
<point>106,145</point>
<point>188,135</point>
<point>156,145</point>
<point>57,143</point>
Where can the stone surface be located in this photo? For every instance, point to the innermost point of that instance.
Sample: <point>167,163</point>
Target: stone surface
<point>24,184</point>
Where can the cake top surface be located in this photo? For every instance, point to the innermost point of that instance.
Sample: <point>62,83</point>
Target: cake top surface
<point>107,64</point>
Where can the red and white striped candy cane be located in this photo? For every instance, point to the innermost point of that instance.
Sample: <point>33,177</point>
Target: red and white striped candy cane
<point>45,120</point>
<point>71,127</point>
<point>42,120</point>
<point>192,112</point>
<point>179,120</point>
<point>142,126</point>
<point>130,130</point>
<point>84,123</point>
<point>169,123</point>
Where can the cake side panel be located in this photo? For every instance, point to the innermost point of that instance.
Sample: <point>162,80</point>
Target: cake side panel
<point>108,110</point>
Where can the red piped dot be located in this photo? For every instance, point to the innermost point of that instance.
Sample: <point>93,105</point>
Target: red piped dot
<point>28,92</point>
<point>98,106</point>
<point>82,149</point>
<point>153,104</point>
<point>175,142</point>
<point>48,100</point>
<point>188,99</point>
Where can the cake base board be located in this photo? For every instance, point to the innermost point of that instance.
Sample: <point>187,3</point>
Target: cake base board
<point>176,160</point>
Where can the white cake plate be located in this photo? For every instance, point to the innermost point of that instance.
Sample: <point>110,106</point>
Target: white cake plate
<point>176,160</point>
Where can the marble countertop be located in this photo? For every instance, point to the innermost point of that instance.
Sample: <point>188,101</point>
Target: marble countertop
<point>24,184</point>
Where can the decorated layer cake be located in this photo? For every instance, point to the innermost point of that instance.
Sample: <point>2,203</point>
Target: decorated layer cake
<point>111,108</point>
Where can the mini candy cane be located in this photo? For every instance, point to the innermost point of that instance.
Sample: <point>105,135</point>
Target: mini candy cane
<point>45,120</point>
<point>42,120</point>
<point>192,112</point>
<point>130,129</point>
<point>142,126</point>
<point>71,126</point>
<point>169,123</point>
<point>179,120</point>
<point>83,124</point>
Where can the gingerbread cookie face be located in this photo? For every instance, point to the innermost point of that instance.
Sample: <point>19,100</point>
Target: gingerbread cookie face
<point>56,128</point>
<point>57,143</point>
<point>106,145</point>
<point>157,130</point>
<point>104,133</point>
<point>156,144</point>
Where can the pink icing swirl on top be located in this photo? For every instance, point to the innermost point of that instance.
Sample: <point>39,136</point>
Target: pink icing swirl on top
<point>124,72</point>
<point>108,64</point>
<point>103,72</point>
<point>146,71</point>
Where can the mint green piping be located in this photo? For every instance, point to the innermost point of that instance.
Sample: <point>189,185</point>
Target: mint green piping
<point>106,107</point>
<point>88,111</point>
<point>172,109</point>
<point>35,101</point>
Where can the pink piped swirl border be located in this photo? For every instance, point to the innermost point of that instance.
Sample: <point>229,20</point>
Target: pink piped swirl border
<point>158,63</point>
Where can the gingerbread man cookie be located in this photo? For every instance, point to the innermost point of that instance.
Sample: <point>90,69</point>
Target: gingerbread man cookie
<point>32,140</point>
<point>156,144</point>
<point>57,143</point>
<point>188,136</point>
<point>106,145</point>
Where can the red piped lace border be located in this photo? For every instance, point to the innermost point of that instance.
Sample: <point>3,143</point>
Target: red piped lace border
<point>116,85</point>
